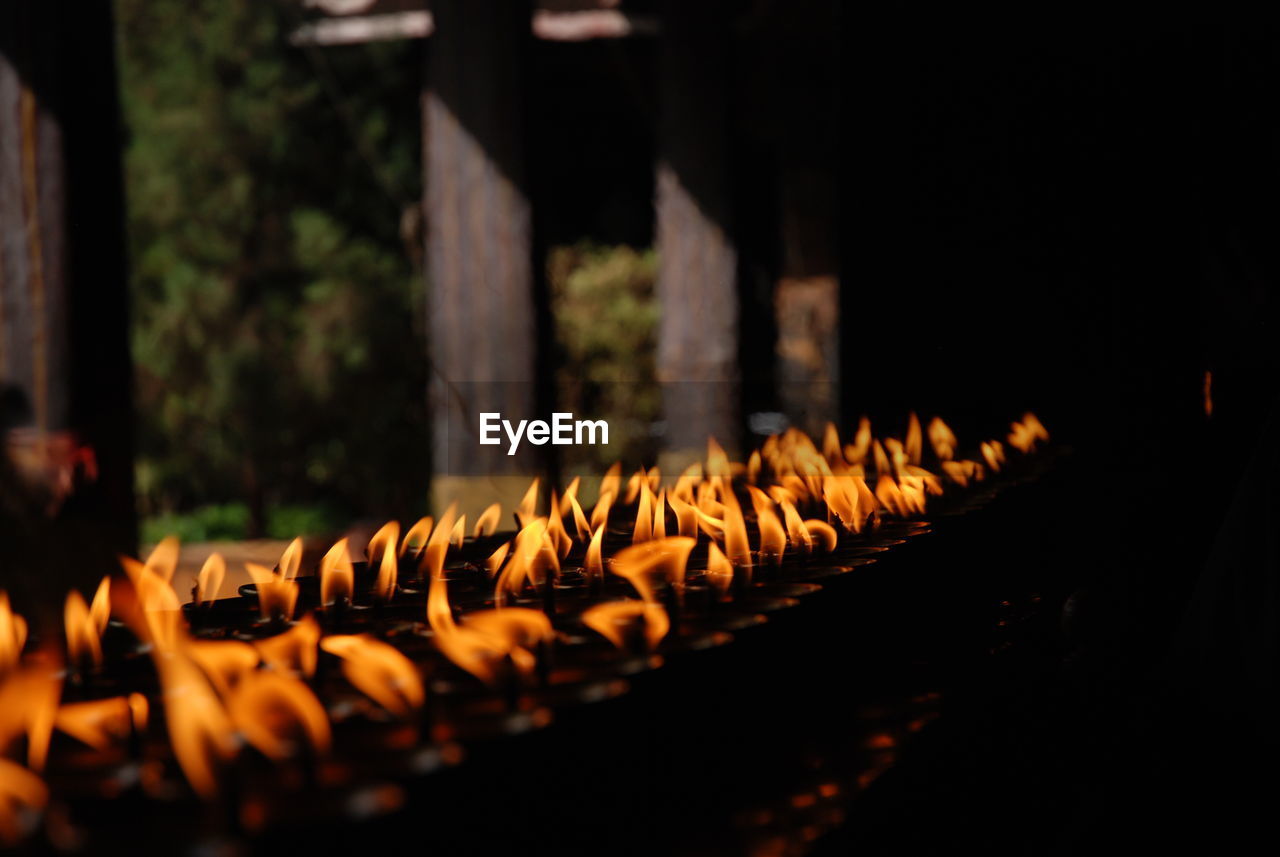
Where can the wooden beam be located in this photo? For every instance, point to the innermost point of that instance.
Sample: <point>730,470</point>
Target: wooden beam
<point>479,243</point>
<point>66,424</point>
<point>697,360</point>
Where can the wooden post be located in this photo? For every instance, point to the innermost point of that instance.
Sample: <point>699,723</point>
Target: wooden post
<point>65,373</point>
<point>482,323</point>
<point>697,360</point>
<point>807,294</point>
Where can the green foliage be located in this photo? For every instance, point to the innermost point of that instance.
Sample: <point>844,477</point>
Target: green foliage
<point>226,521</point>
<point>606,320</point>
<point>276,333</point>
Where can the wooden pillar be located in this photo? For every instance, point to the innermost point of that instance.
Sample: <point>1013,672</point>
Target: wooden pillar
<point>65,374</point>
<point>481,313</point>
<point>697,360</point>
<point>807,293</point>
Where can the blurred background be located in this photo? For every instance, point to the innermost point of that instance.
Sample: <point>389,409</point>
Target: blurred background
<point>254,253</point>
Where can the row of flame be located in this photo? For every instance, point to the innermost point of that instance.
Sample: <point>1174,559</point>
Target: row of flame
<point>218,695</point>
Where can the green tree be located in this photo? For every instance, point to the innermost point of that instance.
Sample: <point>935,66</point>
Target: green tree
<point>276,335</point>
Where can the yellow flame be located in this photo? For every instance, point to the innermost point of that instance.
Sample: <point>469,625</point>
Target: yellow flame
<point>594,564</point>
<point>291,560</point>
<point>560,540</point>
<point>415,539</point>
<point>337,578</point>
<point>600,514</point>
<point>719,570</point>
<point>580,523</point>
<point>610,486</point>
<point>83,643</point>
<point>277,595</point>
<point>643,531</point>
<point>796,529</point>
<point>528,507</point>
<point>383,546</point>
<point>494,561</point>
<point>164,558</point>
<point>158,619</point>
<point>487,523</point>
<point>210,578</point>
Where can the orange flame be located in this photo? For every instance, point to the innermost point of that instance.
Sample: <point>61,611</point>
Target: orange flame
<point>1024,435</point>
<point>277,595</point>
<point>660,516</point>
<point>21,792</point>
<point>210,578</point>
<point>560,540</point>
<point>13,635</point>
<point>613,619</point>
<point>272,710</point>
<point>164,558</point>
<point>532,560</point>
<point>641,564</point>
<point>438,545</point>
<point>736,546</point>
<point>643,531</point>
<point>379,671</point>
<point>796,528</point>
<point>224,662</point>
<point>292,651</point>
<point>383,546</point>
<point>416,538</point>
<point>103,723</point>
<point>159,620</point>
<point>961,472</point>
<point>200,731</point>
<point>337,578</point>
<point>610,486</point>
<point>580,523</point>
<point>849,499</point>
<point>914,444</point>
<point>825,531</point>
<point>528,507</point>
<point>719,572</point>
<point>686,515</point>
<point>487,523</point>
<point>28,706</point>
<point>943,439</point>
<point>903,500</point>
<point>83,643</point>
<point>600,514</point>
<point>773,538</point>
<point>494,562</point>
<point>594,564</point>
<point>993,454</point>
